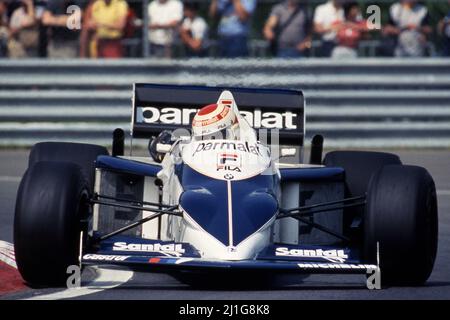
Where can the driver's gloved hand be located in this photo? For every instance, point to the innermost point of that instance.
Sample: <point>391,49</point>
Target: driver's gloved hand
<point>165,137</point>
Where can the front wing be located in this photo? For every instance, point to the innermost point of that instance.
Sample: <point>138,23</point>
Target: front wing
<point>166,264</point>
<point>160,256</point>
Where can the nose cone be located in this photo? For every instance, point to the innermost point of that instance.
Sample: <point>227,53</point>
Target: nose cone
<point>208,209</point>
<point>230,211</point>
<point>251,211</point>
<point>232,221</point>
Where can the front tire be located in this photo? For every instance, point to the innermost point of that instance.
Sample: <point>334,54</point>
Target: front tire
<point>359,167</point>
<point>50,204</point>
<point>401,214</point>
<point>81,154</point>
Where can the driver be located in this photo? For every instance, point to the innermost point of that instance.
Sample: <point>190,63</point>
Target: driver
<point>216,121</point>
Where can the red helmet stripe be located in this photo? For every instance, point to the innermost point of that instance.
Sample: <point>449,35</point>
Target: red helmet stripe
<point>207,109</point>
<point>214,119</point>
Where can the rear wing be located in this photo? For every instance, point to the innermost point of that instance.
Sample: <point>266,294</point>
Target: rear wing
<point>169,107</point>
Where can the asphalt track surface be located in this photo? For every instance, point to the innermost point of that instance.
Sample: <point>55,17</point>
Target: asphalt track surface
<point>114,284</point>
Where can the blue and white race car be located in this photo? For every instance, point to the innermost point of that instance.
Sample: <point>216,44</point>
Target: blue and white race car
<point>220,205</point>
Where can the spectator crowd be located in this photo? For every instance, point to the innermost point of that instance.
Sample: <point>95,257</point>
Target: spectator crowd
<point>99,28</point>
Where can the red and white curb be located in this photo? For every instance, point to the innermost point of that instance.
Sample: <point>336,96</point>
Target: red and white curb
<point>7,254</point>
<point>10,279</point>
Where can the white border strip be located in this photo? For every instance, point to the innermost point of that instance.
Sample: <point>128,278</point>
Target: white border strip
<point>443,192</point>
<point>107,278</point>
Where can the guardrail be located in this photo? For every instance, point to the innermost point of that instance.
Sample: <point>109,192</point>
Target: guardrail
<point>360,103</point>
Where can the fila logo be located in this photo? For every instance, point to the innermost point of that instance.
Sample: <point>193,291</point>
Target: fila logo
<point>228,162</point>
<point>229,168</point>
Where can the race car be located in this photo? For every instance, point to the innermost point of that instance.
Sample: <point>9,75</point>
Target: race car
<point>223,191</point>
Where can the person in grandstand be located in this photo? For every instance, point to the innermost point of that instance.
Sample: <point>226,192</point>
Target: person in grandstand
<point>234,25</point>
<point>164,19</point>
<point>326,17</point>
<point>409,23</point>
<point>444,32</point>
<point>349,32</point>
<point>194,31</point>
<point>288,29</point>
<point>63,41</point>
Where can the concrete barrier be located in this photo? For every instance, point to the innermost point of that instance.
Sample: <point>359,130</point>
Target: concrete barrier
<point>360,103</point>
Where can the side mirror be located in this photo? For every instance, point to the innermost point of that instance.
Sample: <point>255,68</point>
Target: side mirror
<point>156,151</point>
<point>288,152</point>
<point>163,148</point>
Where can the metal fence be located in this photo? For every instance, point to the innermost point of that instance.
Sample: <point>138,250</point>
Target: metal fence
<point>360,103</point>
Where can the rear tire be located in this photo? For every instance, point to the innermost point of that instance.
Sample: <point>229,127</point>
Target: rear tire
<point>401,214</point>
<point>50,204</point>
<point>84,155</point>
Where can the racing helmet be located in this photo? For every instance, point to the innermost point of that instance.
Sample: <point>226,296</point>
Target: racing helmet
<point>216,121</point>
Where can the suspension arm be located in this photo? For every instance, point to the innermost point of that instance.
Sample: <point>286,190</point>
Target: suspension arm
<point>170,210</point>
<point>322,228</point>
<point>159,205</point>
<point>130,226</point>
<point>285,214</point>
<point>299,213</point>
<point>324,204</point>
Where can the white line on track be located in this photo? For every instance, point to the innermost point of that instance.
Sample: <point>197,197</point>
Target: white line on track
<point>443,192</point>
<point>10,179</point>
<point>107,277</point>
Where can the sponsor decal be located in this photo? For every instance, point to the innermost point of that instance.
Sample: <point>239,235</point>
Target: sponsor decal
<point>231,249</point>
<point>227,158</point>
<point>330,255</point>
<point>228,146</point>
<point>104,257</point>
<point>228,176</point>
<point>228,162</point>
<point>336,266</point>
<point>154,260</point>
<point>175,249</point>
<point>184,116</point>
